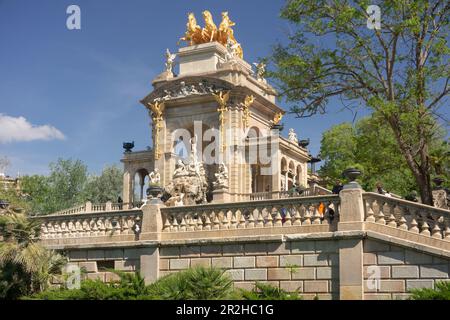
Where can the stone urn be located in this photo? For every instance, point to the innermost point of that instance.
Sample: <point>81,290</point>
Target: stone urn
<point>154,192</point>
<point>438,182</point>
<point>351,174</point>
<point>128,146</point>
<point>303,143</point>
<point>278,127</point>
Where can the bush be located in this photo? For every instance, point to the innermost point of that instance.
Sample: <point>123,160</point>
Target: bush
<point>268,292</point>
<point>193,284</point>
<point>440,292</point>
<point>130,287</point>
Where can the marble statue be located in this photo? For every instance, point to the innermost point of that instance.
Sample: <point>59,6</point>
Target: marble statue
<point>221,177</point>
<point>170,61</point>
<point>292,136</point>
<point>260,71</point>
<point>180,169</point>
<point>155,177</point>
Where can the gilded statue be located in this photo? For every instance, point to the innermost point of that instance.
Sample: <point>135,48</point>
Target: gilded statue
<point>248,101</point>
<point>277,118</point>
<point>210,33</point>
<point>222,97</point>
<point>193,33</point>
<point>157,109</point>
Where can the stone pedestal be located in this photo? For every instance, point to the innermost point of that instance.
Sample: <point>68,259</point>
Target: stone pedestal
<point>221,196</point>
<point>351,277</point>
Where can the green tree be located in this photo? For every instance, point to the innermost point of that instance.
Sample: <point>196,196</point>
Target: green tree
<point>400,71</point>
<point>370,145</point>
<point>106,187</point>
<point>25,265</point>
<point>61,189</point>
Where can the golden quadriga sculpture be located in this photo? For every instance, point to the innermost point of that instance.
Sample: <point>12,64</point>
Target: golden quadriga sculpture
<point>210,33</point>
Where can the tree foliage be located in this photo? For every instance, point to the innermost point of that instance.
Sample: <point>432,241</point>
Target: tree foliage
<point>25,265</point>
<point>68,185</point>
<point>370,146</point>
<point>400,71</point>
<point>105,187</point>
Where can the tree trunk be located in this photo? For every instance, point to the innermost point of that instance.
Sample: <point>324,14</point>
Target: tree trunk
<point>424,182</point>
<point>420,171</point>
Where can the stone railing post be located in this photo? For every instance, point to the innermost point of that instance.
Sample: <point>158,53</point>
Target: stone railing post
<point>151,230</point>
<point>351,277</point>
<point>88,207</point>
<point>108,206</point>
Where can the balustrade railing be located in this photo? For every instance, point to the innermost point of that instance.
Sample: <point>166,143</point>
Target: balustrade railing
<point>90,224</point>
<point>406,215</point>
<point>286,212</point>
<point>89,207</point>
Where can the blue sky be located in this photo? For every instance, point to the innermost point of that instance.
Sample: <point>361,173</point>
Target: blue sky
<point>85,85</point>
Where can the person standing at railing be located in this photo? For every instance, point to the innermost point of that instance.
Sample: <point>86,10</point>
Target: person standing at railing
<point>120,202</point>
<point>337,187</point>
<point>380,189</point>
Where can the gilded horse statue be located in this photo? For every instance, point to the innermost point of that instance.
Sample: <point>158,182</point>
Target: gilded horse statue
<point>210,33</point>
<point>193,33</point>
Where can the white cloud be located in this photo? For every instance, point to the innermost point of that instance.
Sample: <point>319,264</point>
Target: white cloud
<point>19,129</point>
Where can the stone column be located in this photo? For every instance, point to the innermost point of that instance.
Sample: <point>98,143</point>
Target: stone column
<point>127,187</point>
<point>351,279</point>
<point>275,165</point>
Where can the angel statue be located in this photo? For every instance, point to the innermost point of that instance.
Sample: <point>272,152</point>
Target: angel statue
<point>154,176</point>
<point>170,61</point>
<point>260,71</point>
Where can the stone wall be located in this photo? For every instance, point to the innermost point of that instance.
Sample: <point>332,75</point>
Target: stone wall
<point>93,262</point>
<point>400,270</point>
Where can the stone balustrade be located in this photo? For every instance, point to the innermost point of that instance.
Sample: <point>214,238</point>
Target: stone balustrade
<point>255,214</point>
<point>287,242</point>
<point>89,207</point>
<point>406,215</point>
<point>82,225</point>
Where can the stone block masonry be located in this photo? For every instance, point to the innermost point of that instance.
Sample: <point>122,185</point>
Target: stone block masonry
<point>400,270</point>
<point>304,266</point>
